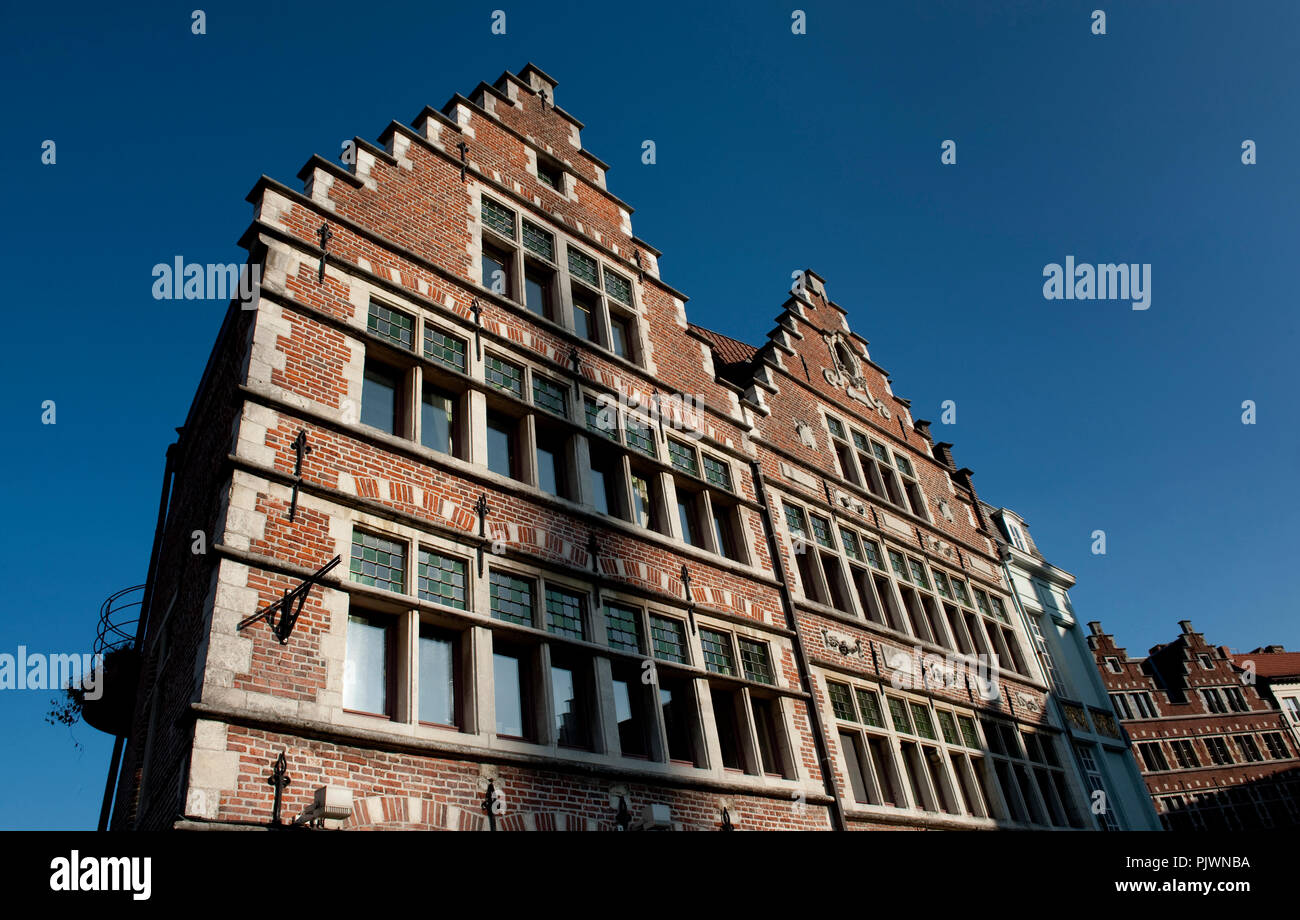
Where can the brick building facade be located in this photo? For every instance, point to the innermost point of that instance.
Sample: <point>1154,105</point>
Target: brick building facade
<point>1216,753</point>
<point>594,557</point>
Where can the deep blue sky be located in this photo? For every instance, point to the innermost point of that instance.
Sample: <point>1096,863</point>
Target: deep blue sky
<point>775,152</point>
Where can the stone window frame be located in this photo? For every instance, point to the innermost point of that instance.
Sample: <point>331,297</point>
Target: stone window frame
<point>958,772</point>
<point>415,370</point>
<point>666,482</point>
<point>892,483</point>
<point>561,281</point>
<point>1023,774</point>
<point>879,596</point>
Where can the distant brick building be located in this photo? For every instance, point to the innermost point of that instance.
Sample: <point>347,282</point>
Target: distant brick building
<point>605,563</point>
<point>1216,752</point>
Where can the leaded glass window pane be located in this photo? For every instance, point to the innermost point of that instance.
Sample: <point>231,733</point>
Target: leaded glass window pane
<point>564,613</point>
<point>447,349</point>
<point>717,652</point>
<point>941,584</point>
<point>618,287</point>
<point>968,732</point>
<point>869,704</point>
<point>898,564</point>
<point>860,442</point>
<point>881,454</point>
<point>841,701</point>
<point>921,717</point>
<point>511,598</point>
<point>503,375</point>
<point>717,472</point>
<point>683,457</point>
<point>602,419</point>
<point>549,395</point>
<point>982,600</point>
<point>998,610</point>
<point>898,712</point>
<point>539,241</point>
<point>378,561</point>
<point>822,531</point>
<point>918,573</point>
<point>905,465</point>
<point>639,435</point>
<point>390,324</point>
<point>440,579</point>
<point>583,266</point>
<point>948,726</point>
<point>794,520</point>
<point>754,661</point>
<point>837,429</point>
<point>499,218</point>
<point>872,552</point>
<point>959,589</point>
<point>851,547</point>
<point>623,627</point>
<point>668,639</point>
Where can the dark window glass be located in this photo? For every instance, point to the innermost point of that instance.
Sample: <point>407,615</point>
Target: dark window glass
<point>549,465</point>
<point>502,432</point>
<point>767,727</point>
<point>686,514</point>
<point>629,714</point>
<point>724,716</point>
<point>379,396</point>
<point>583,323</point>
<point>438,419</point>
<point>570,717</point>
<point>537,291</point>
<point>620,335</point>
<point>675,702</point>
<point>437,677</point>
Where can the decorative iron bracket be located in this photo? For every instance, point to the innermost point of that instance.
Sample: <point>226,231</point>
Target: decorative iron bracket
<point>290,606</point>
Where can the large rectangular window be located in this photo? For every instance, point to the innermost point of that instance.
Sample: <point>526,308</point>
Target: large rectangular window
<point>438,419</point>
<point>502,445</point>
<point>380,401</point>
<point>437,676</point>
<point>509,677</point>
<point>366,670</point>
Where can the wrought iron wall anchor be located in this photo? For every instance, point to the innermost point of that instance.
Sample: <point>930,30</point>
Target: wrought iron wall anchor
<point>290,606</point>
<point>464,150</point>
<point>301,448</point>
<point>279,780</point>
<point>325,234</point>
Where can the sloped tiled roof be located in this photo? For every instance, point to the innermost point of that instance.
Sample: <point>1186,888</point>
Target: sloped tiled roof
<point>1271,664</point>
<point>728,350</point>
